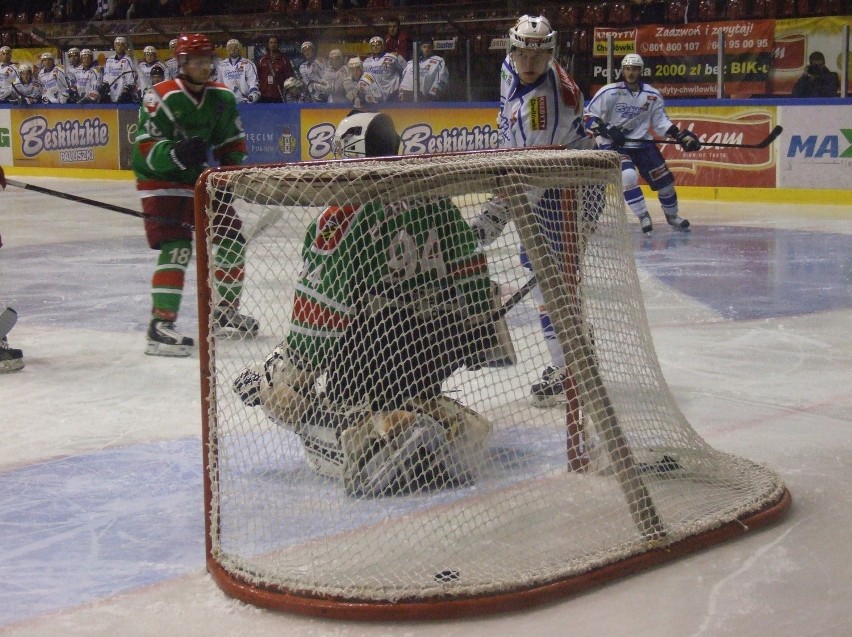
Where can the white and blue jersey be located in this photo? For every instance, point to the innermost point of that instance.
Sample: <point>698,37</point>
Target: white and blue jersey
<point>545,113</point>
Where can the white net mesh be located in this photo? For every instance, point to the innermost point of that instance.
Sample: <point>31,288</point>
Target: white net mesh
<point>396,434</point>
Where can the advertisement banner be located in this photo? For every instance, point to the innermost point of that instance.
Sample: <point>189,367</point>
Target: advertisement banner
<point>5,137</point>
<point>682,60</point>
<point>733,167</point>
<point>65,138</point>
<point>795,40</point>
<point>272,132</point>
<point>423,130</point>
<point>815,149</point>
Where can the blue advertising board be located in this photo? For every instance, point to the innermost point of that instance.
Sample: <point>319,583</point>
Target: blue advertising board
<point>272,132</point>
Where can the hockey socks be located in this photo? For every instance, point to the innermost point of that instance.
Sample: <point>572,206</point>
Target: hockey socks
<point>229,271</point>
<point>167,282</point>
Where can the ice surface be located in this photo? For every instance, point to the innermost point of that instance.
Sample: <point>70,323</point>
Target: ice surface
<point>100,456</point>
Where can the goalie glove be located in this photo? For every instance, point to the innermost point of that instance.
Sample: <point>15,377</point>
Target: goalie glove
<point>491,221</point>
<point>686,138</point>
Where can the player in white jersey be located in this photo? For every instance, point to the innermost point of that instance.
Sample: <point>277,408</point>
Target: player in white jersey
<point>334,77</point>
<point>149,55</point>
<point>630,110</point>
<point>88,78</point>
<point>434,77</point>
<point>119,76</point>
<point>540,105</point>
<point>25,88</point>
<point>239,74</point>
<point>312,72</point>
<point>386,68</point>
<point>71,73</point>
<point>172,63</point>
<point>55,88</point>
<point>8,74</point>
<point>362,90</point>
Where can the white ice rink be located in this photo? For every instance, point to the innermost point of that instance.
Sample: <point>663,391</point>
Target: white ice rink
<point>101,529</point>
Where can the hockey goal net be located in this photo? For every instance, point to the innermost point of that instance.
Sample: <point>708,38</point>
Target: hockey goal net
<point>351,505</point>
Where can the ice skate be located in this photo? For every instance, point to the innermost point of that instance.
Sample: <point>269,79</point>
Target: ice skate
<point>11,360</point>
<point>550,390</point>
<point>647,226</point>
<point>227,322</point>
<point>164,340</point>
<point>677,222</point>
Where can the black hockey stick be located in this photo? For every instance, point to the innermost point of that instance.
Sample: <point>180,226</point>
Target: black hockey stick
<point>773,135</point>
<point>516,298</point>
<point>267,219</point>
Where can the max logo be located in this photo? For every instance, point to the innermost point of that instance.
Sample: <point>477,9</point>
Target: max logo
<point>817,146</point>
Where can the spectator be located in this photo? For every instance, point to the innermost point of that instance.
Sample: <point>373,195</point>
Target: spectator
<point>239,74</point>
<point>54,82</point>
<point>817,81</point>
<point>334,77</point>
<point>434,77</point>
<point>386,68</point>
<point>311,72</point>
<point>273,69</point>
<point>397,40</point>
<point>104,10</point>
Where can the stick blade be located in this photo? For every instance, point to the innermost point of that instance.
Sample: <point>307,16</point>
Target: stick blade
<point>773,135</point>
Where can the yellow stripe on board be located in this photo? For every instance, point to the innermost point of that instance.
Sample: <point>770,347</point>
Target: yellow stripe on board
<point>761,195</point>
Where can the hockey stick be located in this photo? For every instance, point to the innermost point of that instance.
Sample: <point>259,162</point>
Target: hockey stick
<point>8,318</point>
<point>267,219</point>
<point>773,135</point>
<point>516,298</point>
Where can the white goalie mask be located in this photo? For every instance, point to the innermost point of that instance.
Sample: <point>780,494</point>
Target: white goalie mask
<point>531,32</point>
<point>633,59</point>
<point>366,135</point>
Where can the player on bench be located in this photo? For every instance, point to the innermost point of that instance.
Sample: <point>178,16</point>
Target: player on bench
<point>391,301</point>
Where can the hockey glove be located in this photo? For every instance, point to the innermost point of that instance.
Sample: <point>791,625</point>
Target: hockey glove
<point>686,138</point>
<point>247,387</point>
<point>614,133</point>
<point>189,152</point>
<point>103,90</point>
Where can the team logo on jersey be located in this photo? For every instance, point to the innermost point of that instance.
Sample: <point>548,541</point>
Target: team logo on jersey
<point>538,113</point>
<point>332,226</point>
<point>151,101</point>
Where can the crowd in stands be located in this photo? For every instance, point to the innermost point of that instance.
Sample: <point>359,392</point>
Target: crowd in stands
<point>259,69</point>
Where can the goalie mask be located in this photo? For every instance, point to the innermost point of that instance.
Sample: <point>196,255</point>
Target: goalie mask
<point>366,135</point>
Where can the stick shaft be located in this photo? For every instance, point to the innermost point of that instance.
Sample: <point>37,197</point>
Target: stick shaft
<point>773,135</point>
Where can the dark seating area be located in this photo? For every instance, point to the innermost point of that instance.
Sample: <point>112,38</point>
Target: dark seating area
<point>27,23</point>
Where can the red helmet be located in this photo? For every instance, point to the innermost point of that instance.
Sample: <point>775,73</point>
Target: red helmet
<point>194,44</point>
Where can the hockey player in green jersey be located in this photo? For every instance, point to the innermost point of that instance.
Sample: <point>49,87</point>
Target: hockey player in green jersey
<point>180,122</point>
<point>391,300</point>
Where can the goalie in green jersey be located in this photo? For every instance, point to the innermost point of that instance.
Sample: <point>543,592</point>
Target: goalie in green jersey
<point>391,300</point>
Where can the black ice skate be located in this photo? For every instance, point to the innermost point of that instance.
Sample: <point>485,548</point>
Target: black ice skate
<point>647,226</point>
<point>229,323</point>
<point>677,222</point>
<point>164,340</point>
<point>550,390</point>
<point>11,360</point>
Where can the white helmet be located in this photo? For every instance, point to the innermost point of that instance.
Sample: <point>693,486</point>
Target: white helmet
<point>86,52</point>
<point>149,50</point>
<point>25,67</point>
<point>233,47</point>
<point>633,59</point>
<point>120,40</point>
<point>292,83</point>
<point>47,55</point>
<point>355,63</point>
<point>366,135</point>
<point>73,51</point>
<point>173,43</point>
<point>5,49</point>
<point>532,33</point>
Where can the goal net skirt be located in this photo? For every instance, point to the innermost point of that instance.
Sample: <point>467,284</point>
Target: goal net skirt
<point>563,489</point>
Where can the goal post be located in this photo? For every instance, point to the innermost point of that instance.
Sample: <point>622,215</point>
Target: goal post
<point>375,451</point>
